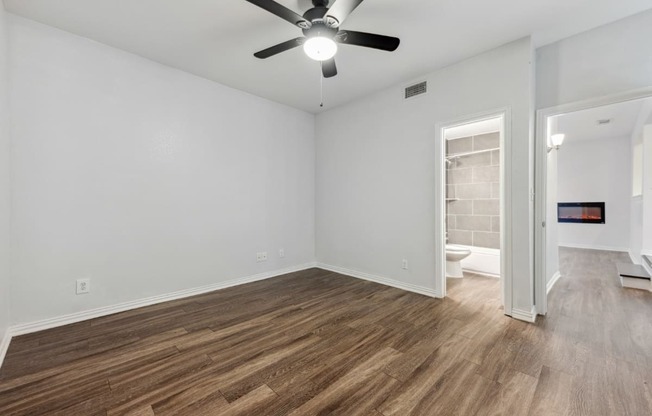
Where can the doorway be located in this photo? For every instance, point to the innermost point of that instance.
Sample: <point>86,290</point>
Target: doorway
<point>590,184</point>
<point>473,189</point>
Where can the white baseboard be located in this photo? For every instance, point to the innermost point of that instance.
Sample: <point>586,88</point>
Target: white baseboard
<point>595,247</point>
<point>552,281</point>
<point>481,273</point>
<point>4,345</point>
<point>632,257</point>
<point>644,263</point>
<point>382,280</point>
<point>527,316</point>
<point>27,328</point>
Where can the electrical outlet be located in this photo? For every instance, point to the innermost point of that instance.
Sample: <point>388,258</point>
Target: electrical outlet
<point>83,286</point>
<point>262,256</point>
<point>405,264</point>
<point>281,252</point>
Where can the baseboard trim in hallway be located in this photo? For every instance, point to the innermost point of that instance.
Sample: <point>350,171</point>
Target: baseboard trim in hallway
<point>552,281</point>
<point>527,316</point>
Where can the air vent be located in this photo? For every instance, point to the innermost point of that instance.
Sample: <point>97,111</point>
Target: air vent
<point>416,89</point>
<point>604,121</point>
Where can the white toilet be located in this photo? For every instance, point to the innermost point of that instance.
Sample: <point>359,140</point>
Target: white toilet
<point>454,256</point>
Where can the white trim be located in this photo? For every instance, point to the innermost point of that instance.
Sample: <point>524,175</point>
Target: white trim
<point>49,323</point>
<point>527,316</point>
<point>4,345</point>
<point>541,153</point>
<point>481,273</point>
<point>644,263</point>
<point>552,281</point>
<point>595,247</point>
<point>382,280</point>
<point>505,114</point>
<point>632,257</point>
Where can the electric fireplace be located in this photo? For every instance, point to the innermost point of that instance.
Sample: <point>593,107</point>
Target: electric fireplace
<point>582,212</point>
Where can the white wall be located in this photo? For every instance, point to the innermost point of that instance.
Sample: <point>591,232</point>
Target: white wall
<point>552,227</point>
<point>607,60</point>
<point>596,171</point>
<point>4,181</point>
<point>377,164</point>
<point>636,229</point>
<point>646,246</point>
<point>636,209</point>
<point>146,179</point>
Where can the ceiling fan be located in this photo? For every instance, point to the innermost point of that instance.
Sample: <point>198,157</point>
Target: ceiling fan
<point>321,32</point>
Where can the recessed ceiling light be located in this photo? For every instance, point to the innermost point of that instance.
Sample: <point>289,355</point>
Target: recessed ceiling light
<point>604,121</point>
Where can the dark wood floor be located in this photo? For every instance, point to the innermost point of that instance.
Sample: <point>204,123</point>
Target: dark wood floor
<point>317,343</point>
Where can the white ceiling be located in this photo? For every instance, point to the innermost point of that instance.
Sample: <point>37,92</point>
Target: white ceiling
<point>215,39</point>
<point>583,125</point>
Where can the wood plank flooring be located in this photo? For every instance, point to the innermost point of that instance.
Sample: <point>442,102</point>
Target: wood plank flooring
<point>317,343</point>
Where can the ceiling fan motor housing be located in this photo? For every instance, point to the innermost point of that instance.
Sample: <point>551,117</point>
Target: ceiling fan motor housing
<point>321,30</point>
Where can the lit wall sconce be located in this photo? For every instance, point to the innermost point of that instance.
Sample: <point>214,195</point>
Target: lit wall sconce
<point>556,141</point>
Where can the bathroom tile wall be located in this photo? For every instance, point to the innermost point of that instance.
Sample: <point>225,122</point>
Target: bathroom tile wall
<point>473,191</point>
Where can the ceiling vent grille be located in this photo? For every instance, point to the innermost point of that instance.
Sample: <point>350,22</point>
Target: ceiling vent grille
<point>416,89</point>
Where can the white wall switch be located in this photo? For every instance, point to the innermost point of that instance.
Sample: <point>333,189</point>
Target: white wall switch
<point>405,264</point>
<point>281,252</point>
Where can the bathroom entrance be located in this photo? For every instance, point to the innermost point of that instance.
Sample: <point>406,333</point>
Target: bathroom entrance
<point>473,170</point>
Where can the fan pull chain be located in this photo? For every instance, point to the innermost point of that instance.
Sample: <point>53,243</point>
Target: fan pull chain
<point>321,83</point>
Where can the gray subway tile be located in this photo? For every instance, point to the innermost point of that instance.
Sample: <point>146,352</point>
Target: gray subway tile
<point>488,240</point>
<point>473,222</point>
<point>495,190</point>
<point>485,174</point>
<point>455,176</point>
<point>450,191</point>
<point>473,191</point>
<point>460,237</point>
<point>450,222</point>
<point>486,207</point>
<point>462,145</point>
<point>495,224</point>
<point>486,141</point>
<point>460,207</point>
<point>495,158</point>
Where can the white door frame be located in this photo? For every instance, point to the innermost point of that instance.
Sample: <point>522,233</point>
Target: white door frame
<point>540,180</point>
<point>505,201</point>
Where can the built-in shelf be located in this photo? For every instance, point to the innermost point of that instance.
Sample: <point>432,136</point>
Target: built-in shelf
<point>452,199</point>
<point>458,155</point>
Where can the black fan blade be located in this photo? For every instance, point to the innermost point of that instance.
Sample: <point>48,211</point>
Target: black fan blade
<point>328,68</point>
<point>281,47</point>
<point>339,11</point>
<point>368,40</point>
<point>282,12</point>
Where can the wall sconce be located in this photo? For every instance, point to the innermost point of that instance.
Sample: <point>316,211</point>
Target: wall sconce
<point>556,141</point>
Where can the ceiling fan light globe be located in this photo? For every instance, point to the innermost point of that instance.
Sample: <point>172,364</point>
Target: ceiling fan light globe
<point>320,48</point>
